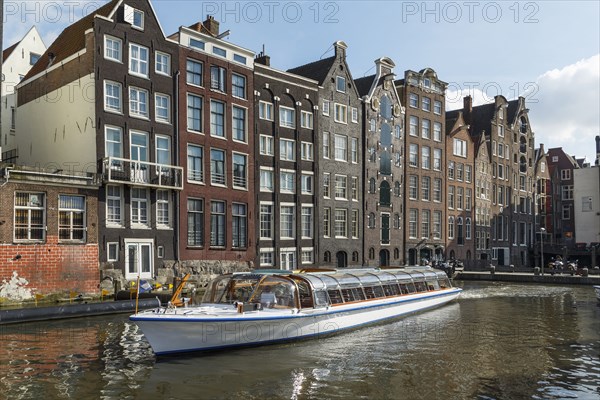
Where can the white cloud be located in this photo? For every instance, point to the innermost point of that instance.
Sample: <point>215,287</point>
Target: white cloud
<point>567,111</point>
<point>454,98</point>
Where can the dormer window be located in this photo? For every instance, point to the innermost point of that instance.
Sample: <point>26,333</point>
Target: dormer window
<point>341,84</point>
<point>33,58</point>
<point>427,82</point>
<point>134,17</point>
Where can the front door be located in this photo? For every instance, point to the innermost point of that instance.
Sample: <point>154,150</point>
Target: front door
<point>384,258</point>
<point>342,259</point>
<point>139,259</point>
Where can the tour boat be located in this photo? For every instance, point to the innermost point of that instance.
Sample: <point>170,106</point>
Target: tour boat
<point>264,307</point>
<point>597,289</point>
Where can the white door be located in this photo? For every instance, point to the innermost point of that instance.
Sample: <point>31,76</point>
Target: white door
<point>139,259</point>
<point>288,260</point>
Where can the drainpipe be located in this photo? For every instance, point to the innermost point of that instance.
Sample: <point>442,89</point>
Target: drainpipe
<point>176,223</point>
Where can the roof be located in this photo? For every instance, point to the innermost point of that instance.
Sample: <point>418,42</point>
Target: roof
<point>316,70</point>
<point>363,85</point>
<point>482,117</point>
<point>70,41</point>
<point>512,110</point>
<point>8,51</point>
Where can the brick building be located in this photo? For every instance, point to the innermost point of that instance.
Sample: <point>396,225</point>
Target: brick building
<point>48,232</point>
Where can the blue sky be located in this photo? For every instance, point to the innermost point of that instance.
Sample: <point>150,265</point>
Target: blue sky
<point>545,50</point>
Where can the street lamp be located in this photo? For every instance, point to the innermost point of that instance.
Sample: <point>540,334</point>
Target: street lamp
<point>542,230</point>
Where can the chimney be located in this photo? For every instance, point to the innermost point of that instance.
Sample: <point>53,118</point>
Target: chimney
<point>542,151</point>
<point>211,25</point>
<point>340,49</point>
<point>263,59</point>
<point>468,109</point>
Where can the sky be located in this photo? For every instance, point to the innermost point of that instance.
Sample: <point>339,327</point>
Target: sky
<point>545,51</point>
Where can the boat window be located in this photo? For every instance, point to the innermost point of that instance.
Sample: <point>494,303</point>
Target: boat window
<point>404,288</point>
<point>378,291</point>
<point>275,292</point>
<point>411,287</point>
<point>306,300</point>
<point>444,282</point>
<point>335,296</point>
<point>321,298</point>
<point>391,289</point>
<point>421,287</point>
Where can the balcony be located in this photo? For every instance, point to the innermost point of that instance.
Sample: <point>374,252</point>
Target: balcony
<point>142,173</point>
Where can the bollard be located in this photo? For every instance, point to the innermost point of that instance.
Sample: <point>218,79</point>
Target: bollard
<point>492,269</point>
<point>512,268</point>
<point>536,271</point>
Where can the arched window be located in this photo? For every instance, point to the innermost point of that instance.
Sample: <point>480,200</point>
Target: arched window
<point>355,256</point>
<point>398,131</point>
<point>371,221</point>
<point>385,163</point>
<point>523,164</point>
<point>396,221</point>
<point>372,253</point>
<point>386,135</point>
<point>451,228</point>
<point>396,253</point>
<point>372,125</point>
<point>459,231</point>
<point>372,185</point>
<point>384,194</point>
<point>372,154</point>
<point>327,257</point>
<point>468,254</point>
<point>397,189</point>
<point>468,228</point>
<point>523,126</point>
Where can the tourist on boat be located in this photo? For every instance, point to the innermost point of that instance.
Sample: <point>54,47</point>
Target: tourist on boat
<point>268,298</point>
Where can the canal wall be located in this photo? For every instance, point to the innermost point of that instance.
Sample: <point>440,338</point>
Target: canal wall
<point>563,279</point>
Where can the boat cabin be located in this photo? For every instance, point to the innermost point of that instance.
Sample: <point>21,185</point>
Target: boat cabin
<point>321,289</point>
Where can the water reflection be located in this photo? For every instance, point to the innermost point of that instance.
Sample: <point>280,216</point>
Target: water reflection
<point>497,342</point>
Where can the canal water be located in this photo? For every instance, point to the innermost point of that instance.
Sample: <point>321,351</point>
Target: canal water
<point>498,341</point>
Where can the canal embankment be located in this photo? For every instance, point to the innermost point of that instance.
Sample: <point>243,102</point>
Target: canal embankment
<point>563,278</point>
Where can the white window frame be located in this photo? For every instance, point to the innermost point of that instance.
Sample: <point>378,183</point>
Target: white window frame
<point>138,102</point>
<point>287,150</point>
<point>159,98</point>
<point>287,117</point>
<point>138,221</point>
<point>267,145</point>
<point>287,181</point>
<point>163,199</point>
<point>107,97</point>
<point>107,49</point>
<point>306,151</point>
<point>110,245</point>
<point>239,182</point>
<point>340,113</point>
<point>340,153</point>
<point>306,119</point>
<point>265,110</point>
<point>162,63</point>
<point>266,179</point>
<point>141,63</point>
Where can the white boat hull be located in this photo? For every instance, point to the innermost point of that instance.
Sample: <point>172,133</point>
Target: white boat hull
<point>597,289</point>
<point>205,328</point>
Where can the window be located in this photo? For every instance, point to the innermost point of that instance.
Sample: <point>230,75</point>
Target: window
<point>114,144</point>
<point>413,187</point>
<point>341,113</point>
<point>217,78</point>
<point>450,196</point>
<point>239,124</point>
<point>219,51</point>
<point>71,218</point>
<point>326,184</point>
<point>307,256</point>
<point>372,186</point>
<point>114,206</point>
<point>134,17</point>
<point>413,129</point>
<point>287,117</point>
<point>217,119</point>
<point>437,224</point>
<point>112,48</point>
<point>306,221</point>
<point>266,179</point>
<point>325,107</point>
<point>327,222</point>
<point>426,103</point>
<point>240,171</point>
<point>139,149</point>
<point>239,225</point>
<point>112,96</point>
<point>287,151</point>
<point>459,171</point>
<point>266,221</point>
<point>340,84</point>
<point>240,59</point>
<point>163,209</point>
<point>413,216</point>
<point>567,192</point>
<point>451,228</point>
<point>197,44</point>
<point>468,228</point>
<point>287,181</point>
<point>565,174</point>
<point>306,119</point>
<point>217,167</point>
<point>138,60</point>
<point>413,100</point>
<point>425,221</point>
<point>266,257</point>
<point>437,131</point>
<point>340,187</point>
<point>265,110</point>
<point>451,170</point>
<point>287,221</point>
<point>162,107</point>
<point>194,113</point>
<point>195,163</point>
<point>138,102</point>
<point>468,173</point>
<point>437,190</point>
<point>500,130</point>
<point>194,73</point>
<point>426,129</point>
<point>238,86</point>
<point>586,204</point>
<point>371,221</point>
<point>217,224</point>
<point>437,107</point>
<point>437,159</point>
<point>325,144</point>
<point>13,118</point>
<point>163,150</point>
<point>372,125</point>
<point>354,150</point>
<point>425,188</point>
<point>340,147</point>
<point>354,115</point>
<point>413,155</point>
<point>112,250</point>
<point>460,147</point>
<point>267,144</point>
<point>354,188</point>
<point>139,206</point>
<point>459,197</point>
<point>195,208</point>
<point>162,63</point>
<point>425,157</point>
<point>341,223</point>
<point>468,200</point>
<point>306,151</point>
<point>306,184</point>
<point>355,225</point>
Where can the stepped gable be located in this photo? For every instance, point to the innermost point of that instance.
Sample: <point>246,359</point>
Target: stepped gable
<point>70,41</point>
